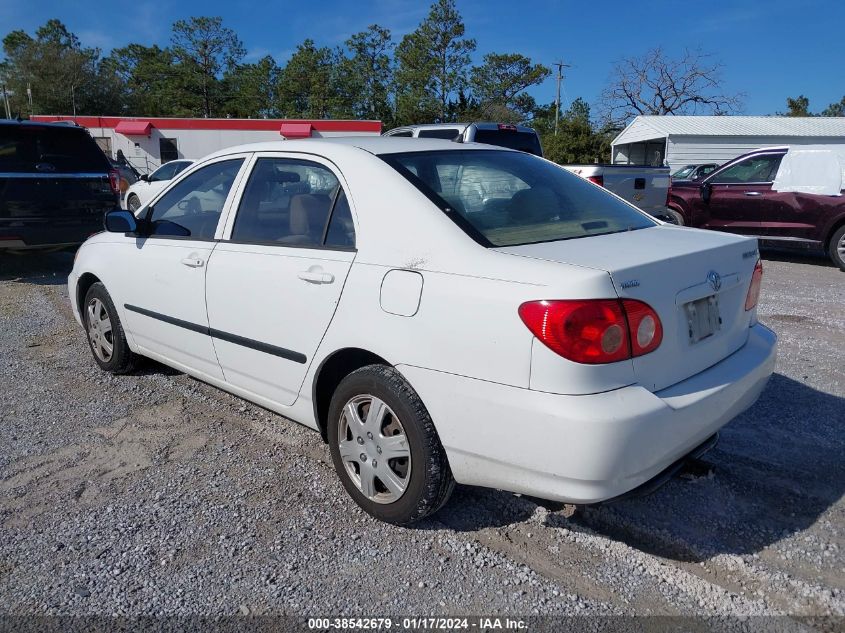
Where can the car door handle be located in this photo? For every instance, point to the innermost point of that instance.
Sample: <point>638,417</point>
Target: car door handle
<point>193,262</point>
<point>316,276</point>
<point>753,193</point>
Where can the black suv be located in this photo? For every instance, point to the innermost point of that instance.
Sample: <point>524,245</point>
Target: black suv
<point>55,185</point>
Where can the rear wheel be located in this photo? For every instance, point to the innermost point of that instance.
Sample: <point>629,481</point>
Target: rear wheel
<point>837,247</point>
<point>385,448</point>
<point>105,332</point>
<point>133,203</point>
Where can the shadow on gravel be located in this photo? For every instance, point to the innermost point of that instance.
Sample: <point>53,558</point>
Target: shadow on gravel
<point>35,267</point>
<point>779,467</point>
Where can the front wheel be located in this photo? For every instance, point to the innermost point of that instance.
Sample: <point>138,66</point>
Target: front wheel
<point>385,448</point>
<point>105,332</point>
<point>837,248</point>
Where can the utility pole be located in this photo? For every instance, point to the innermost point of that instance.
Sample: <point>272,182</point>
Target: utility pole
<point>560,66</point>
<point>73,100</point>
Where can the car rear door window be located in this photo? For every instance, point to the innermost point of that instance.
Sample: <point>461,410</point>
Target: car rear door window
<point>287,202</point>
<point>192,207</point>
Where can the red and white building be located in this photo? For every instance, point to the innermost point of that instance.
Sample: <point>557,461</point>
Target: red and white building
<point>147,142</point>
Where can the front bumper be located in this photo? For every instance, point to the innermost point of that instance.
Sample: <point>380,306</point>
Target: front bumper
<point>589,448</point>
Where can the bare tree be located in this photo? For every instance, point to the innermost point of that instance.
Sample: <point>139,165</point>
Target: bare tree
<point>658,84</point>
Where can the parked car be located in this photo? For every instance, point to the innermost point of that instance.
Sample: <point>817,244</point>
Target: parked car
<point>150,184</point>
<point>644,187</point>
<point>740,198</point>
<point>518,137</point>
<point>55,185</point>
<point>550,339</point>
<point>694,172</point>
<point>126,177</point>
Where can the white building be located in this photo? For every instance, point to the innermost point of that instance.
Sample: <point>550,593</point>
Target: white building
<point>147,142</point>
<point>688,140</point>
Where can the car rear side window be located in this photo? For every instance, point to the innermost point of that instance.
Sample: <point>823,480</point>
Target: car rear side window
<point>192,207</point>
<point>287,202</point>
<point>504,198</point>
<point>512,139</point>
<point>49,149</point>
<point>447,134</point>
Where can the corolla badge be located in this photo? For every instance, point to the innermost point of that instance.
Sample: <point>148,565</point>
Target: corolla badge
<point>714,279</point>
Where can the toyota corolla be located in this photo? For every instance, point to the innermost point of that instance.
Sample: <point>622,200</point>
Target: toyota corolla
<point>440,312</point>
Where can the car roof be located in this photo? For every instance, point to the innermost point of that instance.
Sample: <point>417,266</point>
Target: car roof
<point>27,123</point>
<point>372,144</point>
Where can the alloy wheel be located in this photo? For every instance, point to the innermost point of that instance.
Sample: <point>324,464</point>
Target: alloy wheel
<point>100,330</point>
<point>374,449</point>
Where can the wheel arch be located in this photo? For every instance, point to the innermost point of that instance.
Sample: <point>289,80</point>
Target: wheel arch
<point>838,223</point>
<point>334,368</point>
<point>86,280</point>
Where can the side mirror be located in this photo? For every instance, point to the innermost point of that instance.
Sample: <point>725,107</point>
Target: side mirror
<point>705,190</point>
<point>145,177</point>
<point>120,221</point>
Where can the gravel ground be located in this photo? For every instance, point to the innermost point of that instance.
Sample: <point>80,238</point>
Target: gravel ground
<point>156,494</point>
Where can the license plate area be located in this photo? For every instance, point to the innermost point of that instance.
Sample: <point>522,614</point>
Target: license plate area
<point>703,318</point>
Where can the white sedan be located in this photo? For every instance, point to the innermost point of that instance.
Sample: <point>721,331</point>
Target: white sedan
<point>142,191</point>
<point>440,312</point>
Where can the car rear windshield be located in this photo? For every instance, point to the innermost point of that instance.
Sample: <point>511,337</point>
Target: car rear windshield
<point>512,139</point>
<point>48,149</point>
<point>503,198</point>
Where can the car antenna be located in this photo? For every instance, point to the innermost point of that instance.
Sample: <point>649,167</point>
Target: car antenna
<point>460,136</point>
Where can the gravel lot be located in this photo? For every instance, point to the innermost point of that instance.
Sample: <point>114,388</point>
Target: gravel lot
<point>157,494</point>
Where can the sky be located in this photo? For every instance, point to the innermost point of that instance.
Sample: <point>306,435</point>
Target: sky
<point>770,50</point>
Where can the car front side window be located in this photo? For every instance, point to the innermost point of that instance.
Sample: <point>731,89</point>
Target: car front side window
<point>165,172</point>
<point>287,202</point>
<point>192,207</point>
<point>756,169</point>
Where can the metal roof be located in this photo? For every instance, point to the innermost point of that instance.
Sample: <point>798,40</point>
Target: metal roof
<point>646,127</point>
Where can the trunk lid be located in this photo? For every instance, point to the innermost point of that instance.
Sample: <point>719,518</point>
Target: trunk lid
<point>671,269</point>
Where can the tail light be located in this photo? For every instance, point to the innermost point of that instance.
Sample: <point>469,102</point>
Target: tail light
<point>754,289</point>
<point>114,180</point>
<point>507,127</point>
<point>594,331</point>
<point>598,180</point>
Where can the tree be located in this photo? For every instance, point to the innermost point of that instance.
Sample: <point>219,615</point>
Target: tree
<point>577,140</point>
<point>148,77</point>
<point>305,87</point>
<point>800,106</point>
<point>204,49</point>
<point>432,65</point>
<point>251,89</point>
<point>658,84</point>
<point>62,75</point>
<point>500,83</point>
<point>369,72</point>
<point>835,109</point>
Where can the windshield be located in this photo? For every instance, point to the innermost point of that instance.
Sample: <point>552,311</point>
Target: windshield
<point>684,172</point>
<point>503,198</point>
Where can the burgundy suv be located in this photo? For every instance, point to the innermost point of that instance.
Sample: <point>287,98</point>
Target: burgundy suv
<point>738,198</point>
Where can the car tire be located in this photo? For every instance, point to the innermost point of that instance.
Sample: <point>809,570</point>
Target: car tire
<point>106,338</point>
<point>133,203</point>
<point>398,490</point>
<point>836,250</point>
<point>679,219</point>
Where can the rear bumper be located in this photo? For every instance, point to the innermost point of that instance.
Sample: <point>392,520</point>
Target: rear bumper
<point>590,448</point>
<point>43,233</point>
